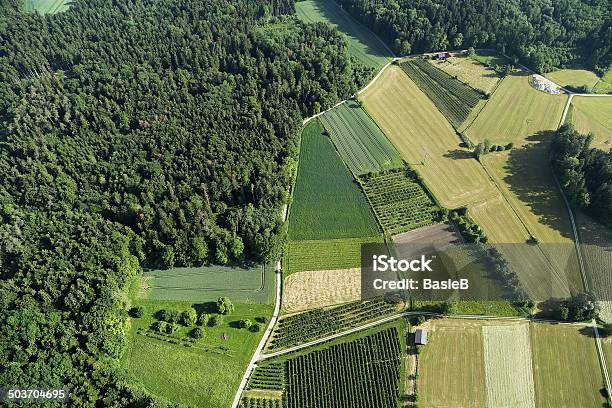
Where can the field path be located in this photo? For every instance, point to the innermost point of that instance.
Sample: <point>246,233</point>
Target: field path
<point>404,314</point>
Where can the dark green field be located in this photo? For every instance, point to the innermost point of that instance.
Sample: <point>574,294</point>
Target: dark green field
<point>327,202</point>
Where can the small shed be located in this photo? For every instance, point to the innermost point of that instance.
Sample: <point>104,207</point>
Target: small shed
<point>420,337</point>
<point>443,56</point>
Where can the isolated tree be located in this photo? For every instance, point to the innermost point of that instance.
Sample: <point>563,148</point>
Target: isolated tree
<point>203,319</point>
<point>471,52</point>
<point>224,306</point>
<point>255,328</point>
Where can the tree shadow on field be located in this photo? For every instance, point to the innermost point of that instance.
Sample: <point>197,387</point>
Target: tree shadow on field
<point>530,178</point>
<point>206,307</point>
<point>587,331</point>
<point>459,154</point>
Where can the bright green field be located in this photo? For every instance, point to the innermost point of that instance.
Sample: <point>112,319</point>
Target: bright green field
<point>362,145</point>
<point>207,283</point>
<point>363,44</point>
<point>318,255</point>
<point>204,375</point>
<point>594,114</point>
<point>327,202</point>
<point>573,77</point>
<point>47,6</point>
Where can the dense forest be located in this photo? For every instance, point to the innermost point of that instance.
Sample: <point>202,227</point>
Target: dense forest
<point>585,173</point>
<point>542,34</point>
<point>141,133</point>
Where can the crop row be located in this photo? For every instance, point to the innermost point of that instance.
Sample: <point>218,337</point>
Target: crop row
<point>361,374</point>
<point>399,202</point>
<point>359,141</point>
<point>303,327</point>
<point>251,402</point>
<point>268,376</point>
<point>453,99</point>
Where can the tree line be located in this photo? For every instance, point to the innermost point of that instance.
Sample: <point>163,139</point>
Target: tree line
<point>585,173</point>
<point>544,35</point>
<point>141,133</point>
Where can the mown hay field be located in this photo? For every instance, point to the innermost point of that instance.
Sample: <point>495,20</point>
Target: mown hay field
<point>315,289</point>
<point>596,246</point>
<point>363,43</point>
<point>327,202</point>
<point>508,366</point>
<point>470,72</point>
<point>361,144</point>
<point>244,284</point>
<point>451,365</point>
<point>516,112</point>
<point>426,140</point>
<point>594,115</point>
<point>313,255</point>
<point>206,374</point>
<point>573,77</point>
<point>47,6</point>
<point>566,367</point>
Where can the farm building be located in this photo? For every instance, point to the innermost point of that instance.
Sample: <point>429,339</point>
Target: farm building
<point>443,56</point>
<point>546,85</point>
<point>420,337</point>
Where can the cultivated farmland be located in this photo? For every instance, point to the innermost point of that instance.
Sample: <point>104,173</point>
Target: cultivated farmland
<point>573,77</point>
<point>47,6</point>
<point>453,98</point>
<point>470,72</point>
<point>516,112</point>
<point>364,45</point>
<point>303,327</point>
<point>207,283</point>
<point>363,373</point>
<point>451,366</point>
<point>594,115</point>
<point>566,367</point>
<point>314,255</point>
<point>316,289</point>
<point>399,201</point>
<point>360,142</point>
<point>508,372</point>
<point>327,202</point>
<point>426,140</point>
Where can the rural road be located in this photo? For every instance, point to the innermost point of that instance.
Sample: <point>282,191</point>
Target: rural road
<point>403,314</point>
<point>258,356</point>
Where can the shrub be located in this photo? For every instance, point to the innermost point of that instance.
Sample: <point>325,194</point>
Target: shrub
<point>168,315</point>
<point>245,324</point>
<point>510,146</point>
<point>170,328</point>
<point>136,311</point>
<point>196,333</point>
<point>224,306</point>
<point>215,320</point>
<point>203,319</point>
<point>255,328</point>
<point>262,319</point>
<point>188,317</point>
<point>159,327</point>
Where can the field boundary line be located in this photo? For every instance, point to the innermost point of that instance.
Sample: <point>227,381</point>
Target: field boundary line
<point>413,313</point>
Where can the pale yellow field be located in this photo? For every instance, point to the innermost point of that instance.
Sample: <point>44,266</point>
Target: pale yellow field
<point>315,289</point>
<point>469,71</point>
<point>594,114</point>
<point>573,77</point>
<point>508,366</point>
<point>426,140</point>
<point>516,112</point>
